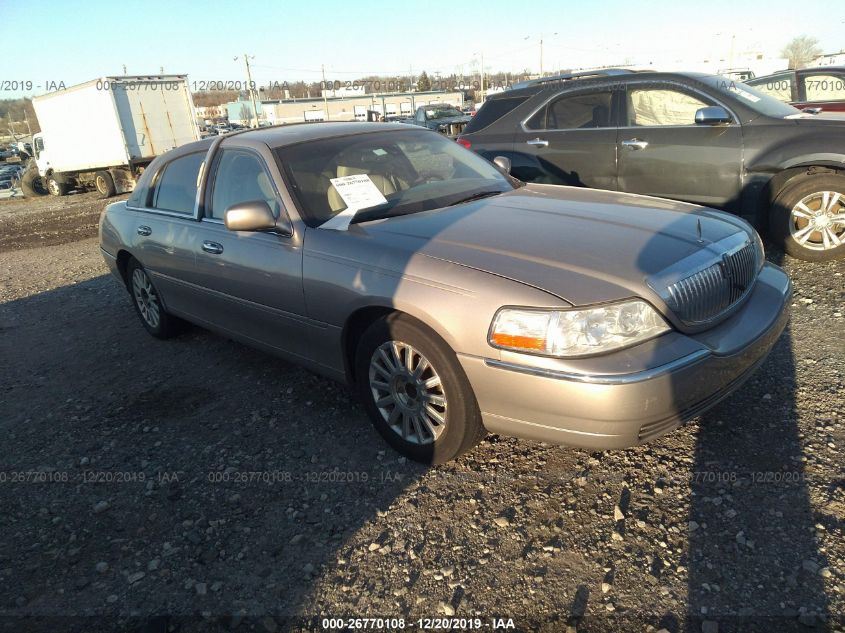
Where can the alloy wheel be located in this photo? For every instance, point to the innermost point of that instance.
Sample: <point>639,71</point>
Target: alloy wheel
<point>817,222</point>
<point>146,298</point>
<point>408,392</point>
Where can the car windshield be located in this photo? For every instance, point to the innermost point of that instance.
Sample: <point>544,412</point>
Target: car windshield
<point>752,98</point>
<point>414,171</point>
<point>442,112</point>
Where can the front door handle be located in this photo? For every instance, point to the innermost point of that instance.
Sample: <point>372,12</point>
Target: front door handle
<point>212,247</point>
<point>635,144</point>
<point>537,142</point>
<point>144,230</point>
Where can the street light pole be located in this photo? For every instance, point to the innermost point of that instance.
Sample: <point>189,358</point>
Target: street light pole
<point>325,97</point>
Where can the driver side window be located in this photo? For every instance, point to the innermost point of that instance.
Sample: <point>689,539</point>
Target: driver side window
<point>662,106</point>
<point>241,177</point>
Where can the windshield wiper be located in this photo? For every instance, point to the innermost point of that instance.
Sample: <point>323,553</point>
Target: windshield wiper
<point>476,196</point>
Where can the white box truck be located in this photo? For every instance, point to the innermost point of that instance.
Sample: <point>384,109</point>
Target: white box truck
<point>101,135</point>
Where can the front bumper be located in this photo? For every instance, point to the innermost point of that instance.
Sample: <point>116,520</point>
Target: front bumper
<point>631,396</point>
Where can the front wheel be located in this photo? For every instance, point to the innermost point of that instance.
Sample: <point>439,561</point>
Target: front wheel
<point>416,392</point>
<point>808,218</point>
<point>55,187</point>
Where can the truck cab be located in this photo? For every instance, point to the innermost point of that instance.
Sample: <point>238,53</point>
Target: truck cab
<point>42,159</point>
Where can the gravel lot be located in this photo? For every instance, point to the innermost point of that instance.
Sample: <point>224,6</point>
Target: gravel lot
<point>198,485</point>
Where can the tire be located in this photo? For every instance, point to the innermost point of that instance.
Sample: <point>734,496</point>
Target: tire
<point>798,208</point>
<point>32,185</point>
<point>403,398</point>
<point>104,184</point>
<point>55,187</point>
<point>148,304</point>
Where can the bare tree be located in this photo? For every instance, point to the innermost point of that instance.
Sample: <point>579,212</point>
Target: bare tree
<point>801,51</point>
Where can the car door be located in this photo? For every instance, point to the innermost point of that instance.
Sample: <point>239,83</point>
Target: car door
<point>163,218</point>
<point>569,140</point>
<point>663,152</point>
<point>250,283</point>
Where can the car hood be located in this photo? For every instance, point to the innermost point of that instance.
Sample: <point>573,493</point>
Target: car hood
<point>581,245</point>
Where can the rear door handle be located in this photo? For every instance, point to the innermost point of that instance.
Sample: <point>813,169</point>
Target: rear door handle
<point>144,230</point>
<point>635,144</point>
<point>537,142</point>
<point>212,247</point>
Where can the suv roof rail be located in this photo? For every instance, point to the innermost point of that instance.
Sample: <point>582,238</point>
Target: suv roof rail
<point>604,72</point>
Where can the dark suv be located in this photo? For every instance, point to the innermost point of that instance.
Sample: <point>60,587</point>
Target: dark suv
<point>698,138</point>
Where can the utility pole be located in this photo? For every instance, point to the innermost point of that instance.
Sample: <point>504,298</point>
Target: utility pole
<point>124,70</point>
<point>541,54</point>
<point>250,91</point>
<point>482,77</point>
<point>325,96</point>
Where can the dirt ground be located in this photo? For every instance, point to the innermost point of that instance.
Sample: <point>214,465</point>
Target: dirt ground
<point>199,485</point>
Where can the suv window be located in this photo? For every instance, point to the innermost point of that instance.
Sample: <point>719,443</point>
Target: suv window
<point>492,110</point>
<point>579,111</point>
<point>176,186</point>
<point>824,86</point>
<point>779,87</point>
<point>662,106</point>
<point>241,177</point>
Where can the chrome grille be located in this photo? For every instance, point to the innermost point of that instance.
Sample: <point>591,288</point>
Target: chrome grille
<point>706,294</point>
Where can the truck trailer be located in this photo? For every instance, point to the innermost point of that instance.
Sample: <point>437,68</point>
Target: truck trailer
<point>101,135</point>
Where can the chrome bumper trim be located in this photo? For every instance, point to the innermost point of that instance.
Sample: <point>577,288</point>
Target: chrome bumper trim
<point>621,379</point>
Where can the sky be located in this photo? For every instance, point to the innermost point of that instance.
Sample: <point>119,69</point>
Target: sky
<point>290,41</point>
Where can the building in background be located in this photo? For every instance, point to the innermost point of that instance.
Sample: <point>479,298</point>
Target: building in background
<point>353,108</point>
<point>830,59</point>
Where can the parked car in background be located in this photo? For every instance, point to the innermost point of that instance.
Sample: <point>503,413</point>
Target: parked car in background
<point>812,88</point>
<point>441,117</point>
<point>694,137</point>
<point>453,298</point>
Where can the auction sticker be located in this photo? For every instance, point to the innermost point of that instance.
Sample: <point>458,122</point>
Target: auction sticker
<point>357,192</point>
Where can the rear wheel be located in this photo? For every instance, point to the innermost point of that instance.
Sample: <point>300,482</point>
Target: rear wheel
<point>55,187</point>
<point>104,184</point>
<point>416,392</point>
<point>148,304</point>
<point>808,218</point>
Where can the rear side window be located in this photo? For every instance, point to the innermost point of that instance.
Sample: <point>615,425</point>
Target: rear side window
<point>491,111</point>
<point>573,112</point>
<point>176,187</point>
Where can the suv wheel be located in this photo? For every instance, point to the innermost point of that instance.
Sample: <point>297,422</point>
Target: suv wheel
<point>808,218</point>
<point>416,392</point>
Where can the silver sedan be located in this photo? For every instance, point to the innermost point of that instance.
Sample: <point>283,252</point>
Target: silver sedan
<point>453,298</point>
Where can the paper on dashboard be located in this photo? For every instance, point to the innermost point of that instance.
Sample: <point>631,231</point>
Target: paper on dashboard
<point>357,192</point>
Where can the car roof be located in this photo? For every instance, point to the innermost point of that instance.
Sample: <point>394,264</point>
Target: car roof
<point>553,83</point>
<point>291,133</point>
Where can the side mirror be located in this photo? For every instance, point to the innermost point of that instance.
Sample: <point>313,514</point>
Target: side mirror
<point>503,163</point>
<point>712,115</point>
<point>254,215</point>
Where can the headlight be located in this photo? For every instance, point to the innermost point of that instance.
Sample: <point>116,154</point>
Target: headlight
<point>761,252</point>
<point>570,333</point>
